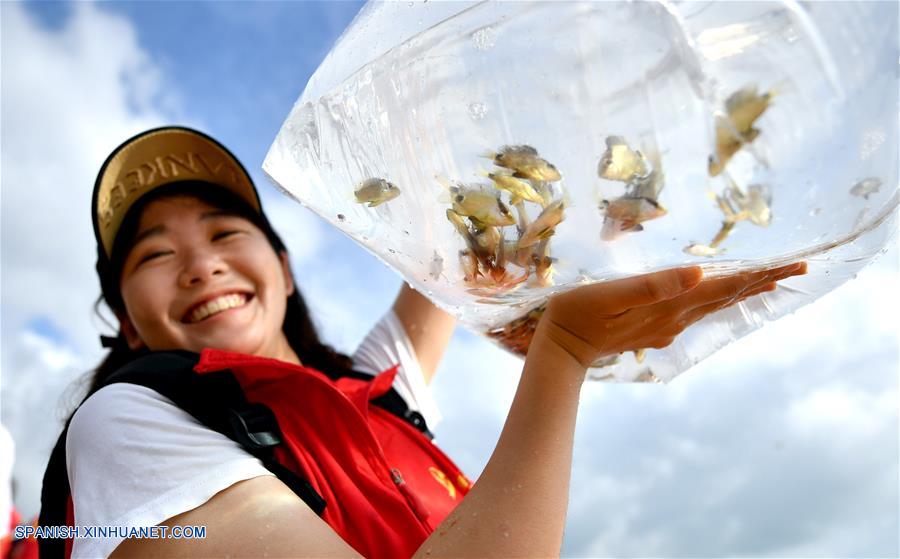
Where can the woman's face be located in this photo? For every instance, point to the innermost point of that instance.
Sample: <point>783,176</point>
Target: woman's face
<point>198,277</point>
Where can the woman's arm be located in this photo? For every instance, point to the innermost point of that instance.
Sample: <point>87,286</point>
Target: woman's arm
<point>428,327</point>
<point>258,517</point>
<point>518,506</point>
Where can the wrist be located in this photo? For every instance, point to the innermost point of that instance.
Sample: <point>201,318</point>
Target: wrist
<point>558,349</point>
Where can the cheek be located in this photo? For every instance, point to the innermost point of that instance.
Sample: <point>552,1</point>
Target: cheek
<point>141,297</point>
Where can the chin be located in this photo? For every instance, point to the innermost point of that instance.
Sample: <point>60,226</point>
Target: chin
<point>235,346</point>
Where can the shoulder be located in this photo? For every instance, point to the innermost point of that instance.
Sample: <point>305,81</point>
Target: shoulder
<point>118,401</point>
<point>122,410</point>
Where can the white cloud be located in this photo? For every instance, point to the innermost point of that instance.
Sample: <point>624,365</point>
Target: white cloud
<point>69,97</point>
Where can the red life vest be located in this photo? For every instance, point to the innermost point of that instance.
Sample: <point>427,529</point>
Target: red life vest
<point>387,486</point>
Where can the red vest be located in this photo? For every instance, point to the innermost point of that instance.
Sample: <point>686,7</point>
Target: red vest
<point>386,486</point>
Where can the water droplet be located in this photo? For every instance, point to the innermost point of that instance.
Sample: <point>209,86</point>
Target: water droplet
<point>392,251</point>
<point>815,211</point>
<point>484,39</point>
<point>477,110</point>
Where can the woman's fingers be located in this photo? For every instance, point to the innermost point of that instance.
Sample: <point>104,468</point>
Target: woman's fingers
<point>648,310</point>
<point>729,288</point>
<point>613,298</point>
<point>676,314</point>
<point>760,287</point>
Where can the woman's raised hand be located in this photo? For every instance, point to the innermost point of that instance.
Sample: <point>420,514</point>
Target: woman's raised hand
<point>604,319</point>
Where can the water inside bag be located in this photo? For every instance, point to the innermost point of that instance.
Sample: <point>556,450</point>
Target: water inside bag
<point>496,153</point>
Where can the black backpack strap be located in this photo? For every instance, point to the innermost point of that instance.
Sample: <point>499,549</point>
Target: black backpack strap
<point>55,498</point>
<point>392,402</point>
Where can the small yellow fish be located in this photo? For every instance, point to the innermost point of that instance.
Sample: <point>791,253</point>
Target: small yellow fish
<point>727,144</point>
<point>526,163</point>
<point>376,191</point>
<point>723,233</point>
<point>647,376</point>
<point>639,355</point>
<point>520,256</point>
<point>756,205</point>
<point>543,264</point>
<point>712,249</point>
<point>752,205</point>
<point>468,261</point>
<point>459,224</point>
<point>697,249</point>
<point>743,108</point>
<point>523,222</point>
<point>606,361</point>
<point>490,240</point>
<point>484,206</point>
<point>620,163</point>
<point>866,187</point>
<point>651,185</point>
<point>545,224</point>
<point>626,214</point>
<point>464,231</point>
<point>745,105</point>
<point>519,188</point>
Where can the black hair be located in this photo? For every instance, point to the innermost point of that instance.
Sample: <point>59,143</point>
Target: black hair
<point>298,327</point>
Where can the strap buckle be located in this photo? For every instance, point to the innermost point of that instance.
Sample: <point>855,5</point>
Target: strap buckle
<point>255,426</point>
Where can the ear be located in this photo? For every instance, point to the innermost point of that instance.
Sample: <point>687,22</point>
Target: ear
<point>130,332</point>
<point>286,271</point>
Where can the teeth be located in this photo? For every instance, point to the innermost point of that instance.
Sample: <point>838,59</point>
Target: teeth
<point>217,305</point>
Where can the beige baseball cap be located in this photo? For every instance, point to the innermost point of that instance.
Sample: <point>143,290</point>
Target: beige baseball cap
<point>157,157</point>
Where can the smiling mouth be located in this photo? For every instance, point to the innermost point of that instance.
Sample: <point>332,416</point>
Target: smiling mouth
<point>215,306</point>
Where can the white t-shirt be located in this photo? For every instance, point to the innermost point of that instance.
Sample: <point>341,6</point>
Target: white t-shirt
<point>135,459</point>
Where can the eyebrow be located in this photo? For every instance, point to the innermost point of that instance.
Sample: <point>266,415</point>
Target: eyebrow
<point>159,229</point>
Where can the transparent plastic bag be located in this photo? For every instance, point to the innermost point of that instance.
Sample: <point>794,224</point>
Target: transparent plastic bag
<point>734,136</point>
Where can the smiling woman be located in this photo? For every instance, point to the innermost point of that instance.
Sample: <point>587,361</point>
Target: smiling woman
<point>219,407</point>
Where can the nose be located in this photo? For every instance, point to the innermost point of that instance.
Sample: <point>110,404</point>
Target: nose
<point>200,266</point>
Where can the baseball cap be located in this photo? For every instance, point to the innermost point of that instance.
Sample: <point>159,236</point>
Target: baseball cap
<point>155,158</point>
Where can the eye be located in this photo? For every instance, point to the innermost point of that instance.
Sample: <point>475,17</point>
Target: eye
<point>153,255</point>
<point>224,234</point>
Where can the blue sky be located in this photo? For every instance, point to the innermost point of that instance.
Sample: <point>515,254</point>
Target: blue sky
<point>783,444</point>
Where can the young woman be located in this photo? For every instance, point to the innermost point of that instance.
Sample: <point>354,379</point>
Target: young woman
<point>188,261</point>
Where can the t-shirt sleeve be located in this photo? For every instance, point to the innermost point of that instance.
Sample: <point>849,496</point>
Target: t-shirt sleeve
<point>386,345</point>
<point>135,459</point>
